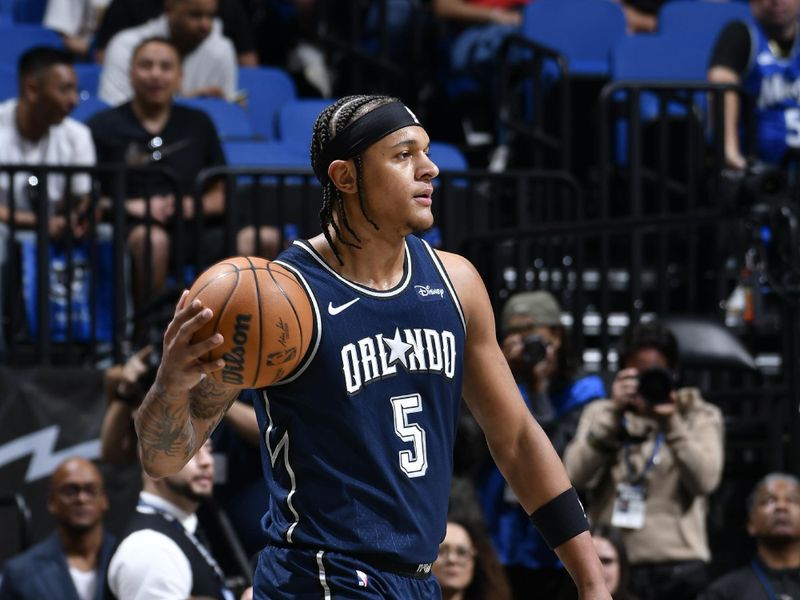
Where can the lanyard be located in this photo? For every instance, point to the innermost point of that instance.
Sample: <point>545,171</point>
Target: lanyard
<point>632,477</point>
<point>144,507</point>
<point>762,577</point>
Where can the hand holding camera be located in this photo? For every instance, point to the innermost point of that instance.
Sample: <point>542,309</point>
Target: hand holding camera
<point>647,392</point>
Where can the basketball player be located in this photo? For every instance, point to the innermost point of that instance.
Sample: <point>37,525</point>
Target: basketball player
<point>358,440</point>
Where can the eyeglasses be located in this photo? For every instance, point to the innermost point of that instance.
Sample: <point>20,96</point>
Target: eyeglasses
<point>459,554</point>
<point>72,490</point>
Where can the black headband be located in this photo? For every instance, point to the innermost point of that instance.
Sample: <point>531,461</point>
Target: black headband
<point>362,133</point>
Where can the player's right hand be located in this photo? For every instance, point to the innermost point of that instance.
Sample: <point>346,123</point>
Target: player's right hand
<point>184,362</point>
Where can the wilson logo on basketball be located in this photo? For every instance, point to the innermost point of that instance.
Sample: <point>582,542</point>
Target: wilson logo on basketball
<point>234,359</point>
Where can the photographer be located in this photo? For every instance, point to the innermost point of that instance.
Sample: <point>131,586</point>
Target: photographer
<point>647,460</point>
<point>537,349</point>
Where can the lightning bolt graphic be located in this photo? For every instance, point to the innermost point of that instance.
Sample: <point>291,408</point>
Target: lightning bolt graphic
<point>40,445</point>
<point>281,449</point>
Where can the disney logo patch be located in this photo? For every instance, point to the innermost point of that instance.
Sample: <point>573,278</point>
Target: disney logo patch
<point>429,293</point>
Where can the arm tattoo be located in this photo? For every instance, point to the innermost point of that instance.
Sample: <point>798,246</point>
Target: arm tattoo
<point>209,402</point>
<point>164,429</point>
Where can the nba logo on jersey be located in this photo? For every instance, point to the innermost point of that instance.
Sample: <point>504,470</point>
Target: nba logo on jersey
<point>363,578</point>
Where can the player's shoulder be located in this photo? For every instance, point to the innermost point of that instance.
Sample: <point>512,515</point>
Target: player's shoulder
<point>461,272</point>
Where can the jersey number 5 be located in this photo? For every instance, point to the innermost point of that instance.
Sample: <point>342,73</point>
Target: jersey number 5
<point>792,120</point>
<point>414,463</point>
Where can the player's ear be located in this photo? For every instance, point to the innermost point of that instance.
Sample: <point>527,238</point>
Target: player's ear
<point>343,175</point>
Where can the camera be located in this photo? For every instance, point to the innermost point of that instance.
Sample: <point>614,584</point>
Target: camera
<point>534,349</point>
<point>655,385</point>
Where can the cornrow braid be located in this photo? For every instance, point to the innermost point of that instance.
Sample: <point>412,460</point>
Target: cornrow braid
<point>330,121</point>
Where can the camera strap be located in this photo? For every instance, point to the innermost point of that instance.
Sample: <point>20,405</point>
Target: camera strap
<point>632,477</point>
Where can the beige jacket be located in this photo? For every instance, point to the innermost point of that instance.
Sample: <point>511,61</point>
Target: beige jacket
<point>688,467</point>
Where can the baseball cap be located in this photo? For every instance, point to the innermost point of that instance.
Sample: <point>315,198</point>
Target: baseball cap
<point>540,305</point>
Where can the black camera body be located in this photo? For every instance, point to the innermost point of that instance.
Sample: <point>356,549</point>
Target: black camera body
<point>656,385</point>
<point>534,349</point>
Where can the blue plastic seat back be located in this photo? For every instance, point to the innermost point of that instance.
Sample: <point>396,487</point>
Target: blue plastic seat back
<point>706,18</point>
<point>231,120</point>
<point>268,88</point>
<point>87,107</point>
<point>447,157</point>
<point>296,119</point>
<point>584,31</point>
<point>8,82</point>
<point>15,40</point>
<point>29,11</point>
<point>673,56</point>
<point>258,153</point>
<point>88,79</point>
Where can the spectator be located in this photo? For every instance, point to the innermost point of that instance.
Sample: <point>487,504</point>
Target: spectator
<point>641,16</point>
<point>762,56</point>
<point>151,128</point>
<point>647,459</point>
<point>35,129</point>
<point>76,21</point>
<point>208,58</point>
<point>467,567</point>
<point>122,14</point>
<point>773,510</point>
<point>480,28</point>
<point>616,568</point>
<point>161,554</point>
<point>70,563</point>
<point>537,348</point>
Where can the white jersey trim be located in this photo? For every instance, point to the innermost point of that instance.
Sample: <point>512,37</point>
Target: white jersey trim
<point>323,581</point>
<point>282,447</point>
<point>395,291</point>
<point>437,262</point>
<point>311,353</point>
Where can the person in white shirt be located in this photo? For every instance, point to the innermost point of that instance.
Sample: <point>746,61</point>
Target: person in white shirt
<point>160,555</point>
<point>35,129</point>
<point>208,58</point>
<point>76,21</point>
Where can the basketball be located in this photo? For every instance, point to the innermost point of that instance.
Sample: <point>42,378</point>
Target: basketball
<point>264,314</point>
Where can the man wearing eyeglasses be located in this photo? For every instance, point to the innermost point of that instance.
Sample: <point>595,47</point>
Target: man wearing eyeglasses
<point>70,564</point>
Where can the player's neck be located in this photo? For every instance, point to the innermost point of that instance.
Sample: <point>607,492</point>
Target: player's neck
<point>377,264</point>
<point>780,555</point>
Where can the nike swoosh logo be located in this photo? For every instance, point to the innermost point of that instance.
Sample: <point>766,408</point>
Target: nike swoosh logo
<point>335,310</point>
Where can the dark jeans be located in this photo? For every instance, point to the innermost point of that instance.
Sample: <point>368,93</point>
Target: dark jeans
<point>678,580</point>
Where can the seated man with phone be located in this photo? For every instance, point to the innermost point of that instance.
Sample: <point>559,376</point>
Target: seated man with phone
<point>646,460</point>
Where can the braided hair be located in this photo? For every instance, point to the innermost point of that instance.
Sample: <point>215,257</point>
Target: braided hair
<point>330,121</point>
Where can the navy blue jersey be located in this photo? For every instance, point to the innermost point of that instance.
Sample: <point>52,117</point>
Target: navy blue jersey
<point>359,440</point>
<point>775,83</point>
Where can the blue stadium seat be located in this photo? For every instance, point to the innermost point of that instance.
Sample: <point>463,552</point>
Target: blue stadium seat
<point>704,18</point>
<point>87,107</point>
<point>672,56</point>
<point>267,89</point>
<point>231,120</point>
<point>8,82</point>
<point>16,39</point>
<point>88,79</point>
<point>29,11</point>
<point>447,157</point>
<point>258,153</point>
<point>296,119</point>
<point>584,31</point>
